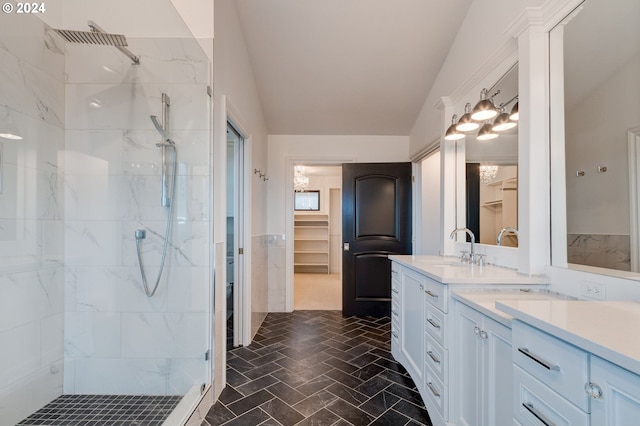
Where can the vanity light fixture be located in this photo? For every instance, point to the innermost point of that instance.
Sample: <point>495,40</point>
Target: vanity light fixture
<point>452,134</point>
<point>466,123</point>
<point>503,121</point>
<point>484,109</point>
<point>486,132</point>
<point>514,111</point>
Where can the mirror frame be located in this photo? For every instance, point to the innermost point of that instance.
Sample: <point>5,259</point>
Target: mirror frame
<point>558,176</point>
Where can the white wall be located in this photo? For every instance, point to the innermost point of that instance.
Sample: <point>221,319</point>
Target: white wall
<point>598,203</point>
<point>283,151</point>
<point>236,96</point>
<point>430,199</point>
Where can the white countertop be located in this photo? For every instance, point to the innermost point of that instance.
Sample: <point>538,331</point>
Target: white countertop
<point>449,270</point>
<point>607,329</point>
<point>485,300</point>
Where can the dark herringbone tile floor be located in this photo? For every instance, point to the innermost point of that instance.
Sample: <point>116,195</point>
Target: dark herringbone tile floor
<point>318,368</point>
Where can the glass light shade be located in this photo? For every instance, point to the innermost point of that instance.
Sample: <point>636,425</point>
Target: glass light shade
<point>452,134</point>
<point>503,122</point>
<point>484,109</point>
<point>514,112</point>
<point>466,123</point>
<point>486,133</point>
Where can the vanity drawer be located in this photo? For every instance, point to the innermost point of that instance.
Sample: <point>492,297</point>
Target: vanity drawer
<point>435,357</point>
<point>561,366</point>
<point>535,404</point>
<point>435,323</point>
<point>436,393</point>
<point>435,294</point>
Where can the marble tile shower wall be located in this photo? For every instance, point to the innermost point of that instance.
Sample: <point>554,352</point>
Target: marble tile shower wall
<point>31,217</point>
<point>118,340</point>
<point>603,251</point>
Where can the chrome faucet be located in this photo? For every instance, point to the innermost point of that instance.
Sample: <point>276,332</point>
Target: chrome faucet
<point>505,230</point>
<point>472,255</point>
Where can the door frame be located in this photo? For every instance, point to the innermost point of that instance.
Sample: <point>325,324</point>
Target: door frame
<point>241,304</point>
<point>289,222</point>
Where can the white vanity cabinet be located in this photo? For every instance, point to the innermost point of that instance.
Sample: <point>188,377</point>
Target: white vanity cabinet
<point>483,373</point>
<point>575,362</point>
<point>615,394</point>
<point>396,309</point>
<point>411,317</point>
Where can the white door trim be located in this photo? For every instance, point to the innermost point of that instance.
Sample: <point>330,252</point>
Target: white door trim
<point>633,136</point>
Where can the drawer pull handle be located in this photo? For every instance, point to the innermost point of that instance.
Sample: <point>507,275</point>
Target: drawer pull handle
<point>433,390</point>
<point>433,357</point>
<point>537,414</point>
<point>484,335</point>
<point>433,323</point>
<point>430,293</point>
<point>476,330</point>
<point>546,364</point>
<point>393,289</point>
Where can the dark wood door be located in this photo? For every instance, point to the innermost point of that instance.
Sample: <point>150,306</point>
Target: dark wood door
<point>376,222</point>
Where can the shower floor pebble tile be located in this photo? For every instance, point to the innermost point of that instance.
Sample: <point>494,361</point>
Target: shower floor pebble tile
<point>318,368</point>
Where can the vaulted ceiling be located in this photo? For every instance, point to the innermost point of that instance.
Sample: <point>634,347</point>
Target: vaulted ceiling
<point>347,67</point>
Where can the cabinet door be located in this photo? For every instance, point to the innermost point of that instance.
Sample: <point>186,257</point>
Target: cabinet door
<point>411,323</point>
<point>498,373</point>
<point>619,403</point>
<point>467,370</point>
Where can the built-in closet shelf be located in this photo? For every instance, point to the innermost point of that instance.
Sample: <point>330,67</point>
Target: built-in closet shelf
<point>311,243</point>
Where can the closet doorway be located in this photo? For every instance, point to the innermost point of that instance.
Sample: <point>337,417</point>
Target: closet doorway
<point>235,236</point>
<point>317,237</point>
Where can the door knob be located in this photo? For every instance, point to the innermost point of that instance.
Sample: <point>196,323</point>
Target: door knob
<point>345,246</point>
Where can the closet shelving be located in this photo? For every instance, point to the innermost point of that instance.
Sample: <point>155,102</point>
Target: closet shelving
<point>499,200</point>
<point>311,243</point>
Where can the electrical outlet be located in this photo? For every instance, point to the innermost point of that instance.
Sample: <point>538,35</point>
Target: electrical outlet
<point>593,290</point>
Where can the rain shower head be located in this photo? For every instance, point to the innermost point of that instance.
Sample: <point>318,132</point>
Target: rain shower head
<point>91,37</point>
<point>98,36</point>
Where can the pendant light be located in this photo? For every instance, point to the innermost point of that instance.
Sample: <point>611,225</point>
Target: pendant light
<point>486,132</point>
<point>514,112</point>
<point>466,123</point>
<point>484,109</point>
<point>452,134</point>
<point>503,122</point>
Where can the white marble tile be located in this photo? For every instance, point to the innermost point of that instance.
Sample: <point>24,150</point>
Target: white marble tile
<point>92,197</point>
<point>20,354</point>
<point>52,340</point>
<point>129,106</point>
<point>29,39</point>
<point>93,152</point>
<point>121,376</point>
<point>187,246</point>
<point>93,243</point>
<point>148,335</point>
<point>117,289</point>
<point>92,334</point>
<point>189,289</point>
<point>27,297</point>
<point>184,373</point>
<point>161,61</point>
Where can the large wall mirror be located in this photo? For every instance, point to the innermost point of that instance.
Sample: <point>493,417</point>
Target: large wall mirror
<point>595,130</point>
<point>491,171</point>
